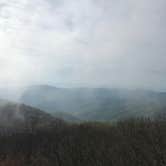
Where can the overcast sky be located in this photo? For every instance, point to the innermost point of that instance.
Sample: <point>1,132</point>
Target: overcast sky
<point>96,43</point>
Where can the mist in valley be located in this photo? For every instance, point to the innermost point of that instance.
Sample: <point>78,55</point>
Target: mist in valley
<point>82,82</point>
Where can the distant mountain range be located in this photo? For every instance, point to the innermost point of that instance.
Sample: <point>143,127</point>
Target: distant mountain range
<point>99,104</point>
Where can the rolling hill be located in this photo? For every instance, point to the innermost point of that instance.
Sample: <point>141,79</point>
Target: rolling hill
<point>95,103</point>
<point>20,116</point>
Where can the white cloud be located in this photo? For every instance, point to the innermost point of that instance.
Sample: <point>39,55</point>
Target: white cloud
<point>83,42</point>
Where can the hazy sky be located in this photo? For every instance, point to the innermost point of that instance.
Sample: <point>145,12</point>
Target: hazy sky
<point>113,43</point>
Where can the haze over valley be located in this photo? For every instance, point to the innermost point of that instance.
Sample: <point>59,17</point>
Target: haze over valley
<point>82,83</point>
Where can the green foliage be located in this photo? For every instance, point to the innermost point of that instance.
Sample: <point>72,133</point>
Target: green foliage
<point>135,142</point>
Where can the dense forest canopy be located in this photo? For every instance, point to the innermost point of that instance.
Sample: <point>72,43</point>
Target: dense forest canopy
<point>37,138</point>
<point>136,142</point>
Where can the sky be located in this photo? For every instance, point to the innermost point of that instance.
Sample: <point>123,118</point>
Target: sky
<point>77,43</point>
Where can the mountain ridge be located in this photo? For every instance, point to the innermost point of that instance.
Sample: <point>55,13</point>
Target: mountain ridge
<point>95,103</point>
<point>20,116</point>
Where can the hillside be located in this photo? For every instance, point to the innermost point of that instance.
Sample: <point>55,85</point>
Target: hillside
<point>20,116</point>
<point>127,143</point>
<point>95,103</point>
<point>66,116</point>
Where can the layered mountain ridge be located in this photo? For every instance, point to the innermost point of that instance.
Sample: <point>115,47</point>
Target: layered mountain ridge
<point>95,103</point>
